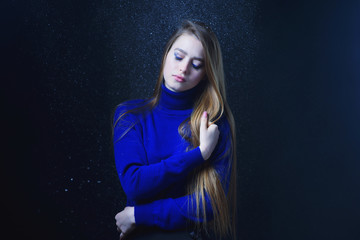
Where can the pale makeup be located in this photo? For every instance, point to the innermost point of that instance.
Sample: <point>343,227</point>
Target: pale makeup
<point>184,64</point>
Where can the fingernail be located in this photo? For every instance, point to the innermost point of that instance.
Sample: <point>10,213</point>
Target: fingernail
<point>204,114</point>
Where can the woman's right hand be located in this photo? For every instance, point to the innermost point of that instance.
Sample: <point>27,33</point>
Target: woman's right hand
<point>209,136</point>
<point>125,221</point>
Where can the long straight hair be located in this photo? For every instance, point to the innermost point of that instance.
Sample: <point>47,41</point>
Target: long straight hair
<point>204,179</point>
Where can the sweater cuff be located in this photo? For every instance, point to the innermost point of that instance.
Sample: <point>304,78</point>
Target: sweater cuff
<point>194,157</point>
<point>146,215</point>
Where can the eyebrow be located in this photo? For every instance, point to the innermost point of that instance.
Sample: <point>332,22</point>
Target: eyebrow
<point>196,58</point>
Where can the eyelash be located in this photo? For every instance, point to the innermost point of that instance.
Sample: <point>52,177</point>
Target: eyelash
<point>177,57</point>
<point>197,67</point>
<point>194,66</point>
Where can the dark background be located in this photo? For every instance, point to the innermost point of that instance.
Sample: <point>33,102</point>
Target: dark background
<point>293,78</point>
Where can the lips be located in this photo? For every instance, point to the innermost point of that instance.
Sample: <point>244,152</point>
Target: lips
<point>179,78</point>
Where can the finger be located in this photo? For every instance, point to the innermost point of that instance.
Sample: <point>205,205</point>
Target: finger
<point>214,130</point>
<point>203,123</point>
<point>213,126</point>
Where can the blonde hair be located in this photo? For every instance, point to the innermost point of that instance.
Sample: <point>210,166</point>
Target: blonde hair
<point>204,179</point>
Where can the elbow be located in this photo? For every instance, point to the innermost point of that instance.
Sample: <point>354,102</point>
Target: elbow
<point>132,195</point>
<point>131,190</point>
<point>134,190</point>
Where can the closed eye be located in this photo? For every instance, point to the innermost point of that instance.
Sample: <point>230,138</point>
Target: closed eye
<point>177,56</point>
<point>197,66</point>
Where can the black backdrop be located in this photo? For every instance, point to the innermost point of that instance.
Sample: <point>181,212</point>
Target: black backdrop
<point>293,78</point>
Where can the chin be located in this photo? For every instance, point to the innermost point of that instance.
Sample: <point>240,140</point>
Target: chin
<point>175,87</point>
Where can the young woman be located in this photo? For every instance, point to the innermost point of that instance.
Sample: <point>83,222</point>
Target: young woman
<point>175,152</point>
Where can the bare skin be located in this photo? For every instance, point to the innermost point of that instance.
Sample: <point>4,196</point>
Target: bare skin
<point>125,221</point>
<point>209,136</point>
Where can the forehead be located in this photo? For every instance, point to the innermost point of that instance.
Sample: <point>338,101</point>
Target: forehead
<point>190,44</point>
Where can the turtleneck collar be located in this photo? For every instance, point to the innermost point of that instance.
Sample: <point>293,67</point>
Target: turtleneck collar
<point>178,100</point>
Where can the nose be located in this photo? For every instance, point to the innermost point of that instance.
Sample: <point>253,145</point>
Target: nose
<point>184,66</point>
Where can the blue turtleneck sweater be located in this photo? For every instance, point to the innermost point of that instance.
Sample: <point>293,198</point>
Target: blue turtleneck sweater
<point>152,161</point>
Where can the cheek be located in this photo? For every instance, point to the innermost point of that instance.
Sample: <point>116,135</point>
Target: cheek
<point>198,76</point>
<point>168,66</point>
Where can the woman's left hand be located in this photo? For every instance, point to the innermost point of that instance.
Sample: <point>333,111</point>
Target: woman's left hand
<point>125,221</point>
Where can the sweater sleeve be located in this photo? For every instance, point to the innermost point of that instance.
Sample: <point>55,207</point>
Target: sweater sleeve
<point>175,213</point>
<point>170,213</point>
<point>139,179</point>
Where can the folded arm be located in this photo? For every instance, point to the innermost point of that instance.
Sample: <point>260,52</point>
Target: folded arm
<point>139,179</point>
